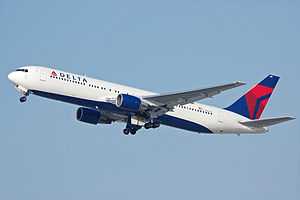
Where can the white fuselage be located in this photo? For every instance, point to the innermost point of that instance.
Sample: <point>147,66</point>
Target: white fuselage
<point>59,85</point>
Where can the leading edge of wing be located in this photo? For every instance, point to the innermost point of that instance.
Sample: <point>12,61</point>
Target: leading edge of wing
<point>190,96</point>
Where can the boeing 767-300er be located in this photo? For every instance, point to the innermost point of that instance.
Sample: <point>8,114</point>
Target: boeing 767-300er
<point>105,102</point>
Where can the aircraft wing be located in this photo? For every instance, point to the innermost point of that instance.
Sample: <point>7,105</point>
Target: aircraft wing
<point>172,99</point>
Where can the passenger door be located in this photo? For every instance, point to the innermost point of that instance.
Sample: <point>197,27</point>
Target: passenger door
<point>43,75</point>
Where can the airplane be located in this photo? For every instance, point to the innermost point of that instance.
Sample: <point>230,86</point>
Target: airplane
<point>103,102</point>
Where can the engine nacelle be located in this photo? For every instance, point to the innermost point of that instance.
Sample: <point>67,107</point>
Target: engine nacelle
<point>129,102</point>
<point>88,115</point>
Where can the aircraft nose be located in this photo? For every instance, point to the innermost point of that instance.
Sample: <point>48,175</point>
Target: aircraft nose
<point>12,77</point>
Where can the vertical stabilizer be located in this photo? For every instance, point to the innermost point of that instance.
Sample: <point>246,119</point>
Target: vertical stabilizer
<point>253,103</point>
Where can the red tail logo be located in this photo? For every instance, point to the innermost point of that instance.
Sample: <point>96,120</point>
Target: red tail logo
<point>253,103</point>
<point>257,99</point>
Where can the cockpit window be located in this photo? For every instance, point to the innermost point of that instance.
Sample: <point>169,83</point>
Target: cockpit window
<point>22,70</point>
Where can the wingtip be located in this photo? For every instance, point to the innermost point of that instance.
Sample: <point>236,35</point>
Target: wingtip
<point>240,83</point>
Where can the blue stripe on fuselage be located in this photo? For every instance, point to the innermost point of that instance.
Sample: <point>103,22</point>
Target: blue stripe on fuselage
<point>164,119</point>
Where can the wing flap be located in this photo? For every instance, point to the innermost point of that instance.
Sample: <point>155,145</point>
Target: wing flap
<point>260,123</point>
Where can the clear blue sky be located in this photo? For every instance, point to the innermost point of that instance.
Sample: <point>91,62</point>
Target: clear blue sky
<point>161,46</point>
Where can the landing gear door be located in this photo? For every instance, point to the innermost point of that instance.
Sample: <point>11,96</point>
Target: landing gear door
<point>43,75</point>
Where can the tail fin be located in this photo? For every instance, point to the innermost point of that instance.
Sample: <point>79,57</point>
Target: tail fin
<point>253,103</point>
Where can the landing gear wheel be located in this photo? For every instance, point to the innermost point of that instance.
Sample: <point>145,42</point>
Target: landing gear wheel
<point>132,131</point>
<point>23,99</point>
<point>148,125</point>
<point>156,125</point>
<point>152,125</point>
<point>126,131</point>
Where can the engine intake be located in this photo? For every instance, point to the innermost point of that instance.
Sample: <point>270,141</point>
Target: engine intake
<point>88,115</point>
<point>129,102</point>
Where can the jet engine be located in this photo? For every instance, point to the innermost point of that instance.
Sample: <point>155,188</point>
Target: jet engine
<point>129,103</point>
<point>88,115</point>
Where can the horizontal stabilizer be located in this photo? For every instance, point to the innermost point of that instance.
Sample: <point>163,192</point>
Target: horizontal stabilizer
<point>260,123</point>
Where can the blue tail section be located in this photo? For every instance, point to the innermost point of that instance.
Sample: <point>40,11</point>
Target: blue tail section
<point>253,103</point>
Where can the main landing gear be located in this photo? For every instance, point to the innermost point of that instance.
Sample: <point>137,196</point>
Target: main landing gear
<point>153,124</point>
<point>131,128</point>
